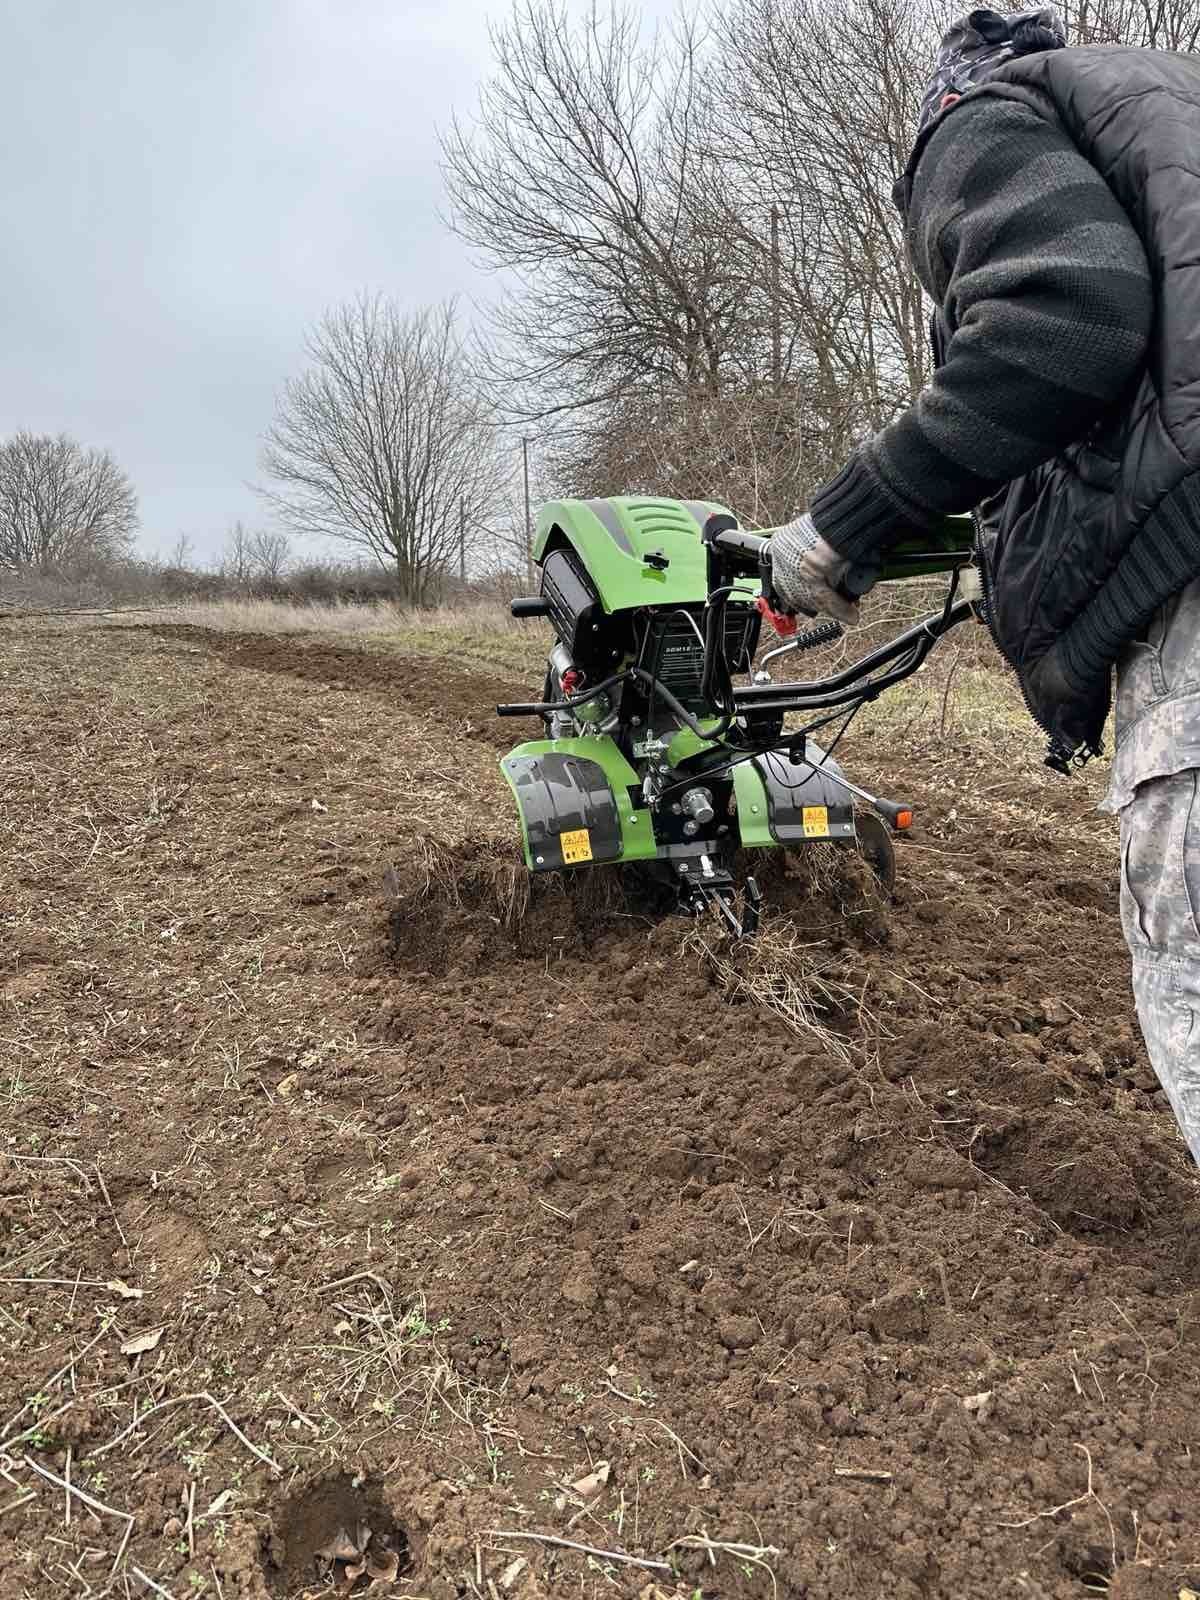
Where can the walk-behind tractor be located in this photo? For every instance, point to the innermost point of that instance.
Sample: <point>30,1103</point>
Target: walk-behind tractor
<point>654,754</point>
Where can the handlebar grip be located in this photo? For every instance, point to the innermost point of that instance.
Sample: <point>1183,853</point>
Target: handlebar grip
<point>724,538</point>
<point>736,542</point>
<point>898,812</point>
<point>530,605</point>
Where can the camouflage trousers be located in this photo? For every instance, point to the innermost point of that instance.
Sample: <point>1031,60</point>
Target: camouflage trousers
<point>1160,913</point>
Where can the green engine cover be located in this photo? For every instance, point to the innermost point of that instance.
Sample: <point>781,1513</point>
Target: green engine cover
<point>614,537</point>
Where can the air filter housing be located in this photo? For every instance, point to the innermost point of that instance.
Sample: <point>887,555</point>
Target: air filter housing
<point>576,613</point>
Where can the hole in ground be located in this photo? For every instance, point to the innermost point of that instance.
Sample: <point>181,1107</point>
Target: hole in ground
<point>329,1531</point>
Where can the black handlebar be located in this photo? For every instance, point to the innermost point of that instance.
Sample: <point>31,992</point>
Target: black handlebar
<point>732,552</point>
<point>530,605</point>
<point>904,655</point>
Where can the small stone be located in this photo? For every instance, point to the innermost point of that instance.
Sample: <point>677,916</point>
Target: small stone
<point>638,1273</point>
<point>651,1342</point>
<point>979,1405</point>
<point>172,1528</point>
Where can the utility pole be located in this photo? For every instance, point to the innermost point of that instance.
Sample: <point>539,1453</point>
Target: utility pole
<point>776,313</point>
<point>462,540</point>
<point>528,514</point>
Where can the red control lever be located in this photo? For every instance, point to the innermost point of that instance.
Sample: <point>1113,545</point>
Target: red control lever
<point>784,624</point>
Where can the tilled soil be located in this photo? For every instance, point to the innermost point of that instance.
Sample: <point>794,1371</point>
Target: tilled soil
<point>346,1237</point>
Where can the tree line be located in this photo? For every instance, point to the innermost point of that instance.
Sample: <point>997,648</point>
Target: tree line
<point>704,293</point>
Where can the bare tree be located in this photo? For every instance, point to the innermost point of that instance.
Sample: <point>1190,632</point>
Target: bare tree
<point>383,444</point>
<point>711,279</point>
<point>270,554</point>
<point>180,554</point>
<point>816,117</point>
<point>702,234</point>
<point>819,110</point>
<point>1156,24</point>
<point>759,452</point>
<point>588,177</point>
<point>237,562</point>
<point>62,506</point>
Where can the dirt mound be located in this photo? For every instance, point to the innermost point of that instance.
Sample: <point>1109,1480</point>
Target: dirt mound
<point>860,1262</point>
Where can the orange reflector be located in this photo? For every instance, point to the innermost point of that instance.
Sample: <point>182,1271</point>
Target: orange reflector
<point>904,819</point>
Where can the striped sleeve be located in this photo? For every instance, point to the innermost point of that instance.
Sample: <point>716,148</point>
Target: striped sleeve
<point>1048,298</point>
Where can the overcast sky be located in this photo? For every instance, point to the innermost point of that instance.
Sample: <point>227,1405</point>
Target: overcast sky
<point>186,188</point>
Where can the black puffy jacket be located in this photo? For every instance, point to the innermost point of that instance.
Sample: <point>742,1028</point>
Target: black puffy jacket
<point>1081,552</point>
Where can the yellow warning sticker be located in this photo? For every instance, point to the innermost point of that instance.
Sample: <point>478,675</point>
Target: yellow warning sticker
<point>816,822</point>
<point>576,846</point>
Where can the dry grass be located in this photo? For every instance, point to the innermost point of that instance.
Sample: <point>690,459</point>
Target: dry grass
<point>781,972</point>
<point>393,1358</point>
<point>487,876</point>
<point>354,618</point>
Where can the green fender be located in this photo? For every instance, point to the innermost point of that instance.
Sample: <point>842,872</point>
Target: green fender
<point>576,801</point>
<point>573,796</point>
<point>784,802</point>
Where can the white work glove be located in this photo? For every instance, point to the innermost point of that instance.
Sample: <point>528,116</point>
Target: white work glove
<point>806,572</point>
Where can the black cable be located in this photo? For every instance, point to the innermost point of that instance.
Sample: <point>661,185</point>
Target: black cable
<point>580,699</point>
<point>867,697</point>
<point>950,593</point>
<point>776,747</point>
<point>842,731</point>
<point>803,733</point>
<point>661,692</point>
<point>716,772</point>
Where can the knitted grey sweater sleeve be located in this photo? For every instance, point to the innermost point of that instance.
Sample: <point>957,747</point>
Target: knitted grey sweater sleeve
<point>1047,295</point>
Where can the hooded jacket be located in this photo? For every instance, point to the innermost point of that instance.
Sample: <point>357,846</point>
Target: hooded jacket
<point>1103,526</point>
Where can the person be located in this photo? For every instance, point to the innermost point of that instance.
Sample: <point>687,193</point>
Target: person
<point>1052,213</point>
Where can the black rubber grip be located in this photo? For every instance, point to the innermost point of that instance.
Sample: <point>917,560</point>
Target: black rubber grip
<point>736,542</point>
<point>532,708</point>
<point>814,638</point>
<point>530,605</point>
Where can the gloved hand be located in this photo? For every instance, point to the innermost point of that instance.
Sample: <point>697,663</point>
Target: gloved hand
<point>807,572</point>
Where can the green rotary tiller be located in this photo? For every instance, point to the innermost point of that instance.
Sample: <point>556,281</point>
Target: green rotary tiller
<point>654,754</point>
